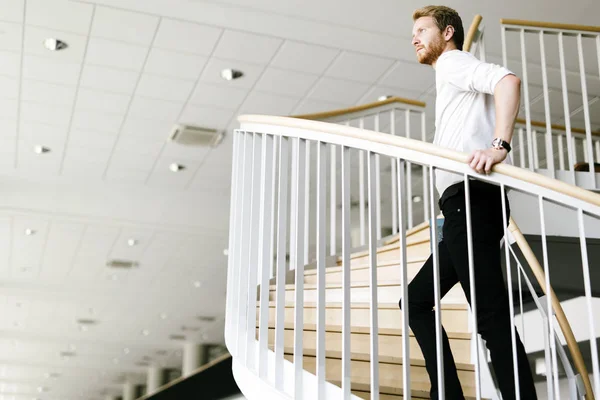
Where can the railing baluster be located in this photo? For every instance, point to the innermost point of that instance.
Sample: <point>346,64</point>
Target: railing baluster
<point>597,148</point>
<point>511,303</point>
<point>436,286</point>
<point>408,174</point>
<point>472,293</point>
<point>293,194</point>
<point>361,188</point>
<point>265,255</point>
<point>520,306</point>
<point>257,177</point>
<point>521,149</point>
<point>282,215</point>
<point>378,184</point>
<point>404,277</point>
<point>371,167</point>
<point>549,147</point>
<point>504,54</point>
<point>299,267</point>
<point>549,298</point>
<point>346,285</point>
<point>567,112</point>
<point>233,272</point>
<point>425,184</point>
<point>530,139</point>
<point>321,276</point>
<point>536,157</point>
<point>588,297</point>
<point>333,202</point>
<point>561,152</point>
<point>307,203</point>
<point>586,111</point>
<point>584,143</point>
<point>244,245</point>
<point>394,181</point>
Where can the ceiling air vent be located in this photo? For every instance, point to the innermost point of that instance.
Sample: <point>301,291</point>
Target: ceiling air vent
<point>177,337</point>
<point>206,319</point>
<point>122,264</point>
<point>195,136</point>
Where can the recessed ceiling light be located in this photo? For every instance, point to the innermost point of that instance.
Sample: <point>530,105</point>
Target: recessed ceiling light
<point>197,284</point>
<point>163,315</point>
<point>145,332</point>
<point>72,347</point>
<point>176,167</point>
<point>225,252</point>
<point>42,389</point>
<point>115,360</point>
<point>132,242</point>
<point>83,328</point>
<point>41,149</point>
<point>417,199</point>
<point>384,97</point>
<point>231,74</point>
<point>126,350</point>
<point>30,232</point>
<point>54,44</point>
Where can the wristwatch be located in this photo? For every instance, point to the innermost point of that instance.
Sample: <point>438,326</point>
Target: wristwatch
<point>500,144</point>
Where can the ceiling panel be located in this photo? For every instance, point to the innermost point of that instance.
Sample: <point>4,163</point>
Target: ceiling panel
<point>131,160</point>
<point>146,129</point>
<point>65,15</point>
<point>170,34</point>
<point>45,164</point>
<point>12,10</point>
<point>96,121</point>
<point>110,53</point>
<point>12,36</point>
<point>109,79</point>
<point>91,139</point>
<point>49,93</point>
<point>411,76</point>
<point>338,91</point>
<point>307,106</point>
<point>117,174</point>
<point>176,151</point>
<point>174,64</point>
<point>10,63</point>
<point>358,67</point>
<point>159,87</point>
<point>154,109</point>
<point>34,132</point>
<point>136,144</point>
<point>268,104</point>
<point>6,224</point>
<point>284,82</point>
<point>8,128</point>
<point>256,49</point>
<point>8,109</point>
<point>124,26</point>
<point>45,113</point>
<point>104,102</point>
<point>83,170</point>
<point>218,96</point>
<point>304,57</point>
<point>27,250</point>
<point>206,117</point>
<point>51,70</point>
<point>377,91</point>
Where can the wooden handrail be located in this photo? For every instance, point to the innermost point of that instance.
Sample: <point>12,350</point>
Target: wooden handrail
<point>550,25</point>
<point>368,106</point>
<point>472,32</point>
<point>557,127</point>
<point>538,272</point>
<point>426,148</point>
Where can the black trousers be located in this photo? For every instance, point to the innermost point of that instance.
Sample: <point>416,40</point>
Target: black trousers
<point>493,315</point>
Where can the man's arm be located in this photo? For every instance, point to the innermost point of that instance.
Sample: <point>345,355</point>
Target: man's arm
<point>507,94</point>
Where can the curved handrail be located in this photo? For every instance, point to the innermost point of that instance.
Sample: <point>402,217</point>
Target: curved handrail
<point>550,25</point>
<point>565,327</point>
<point>427,148</point>
<point>472,32</point>
<point>351,110</point>
<point>587,197</point>
<point>556,127</point>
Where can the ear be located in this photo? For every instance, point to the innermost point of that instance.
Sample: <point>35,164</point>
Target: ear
<point>448,33</point>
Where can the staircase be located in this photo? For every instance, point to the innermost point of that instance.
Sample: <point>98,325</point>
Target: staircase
<point>455,318</point>
<point>303,310</point>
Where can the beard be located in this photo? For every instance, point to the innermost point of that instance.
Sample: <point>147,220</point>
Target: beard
<point>430,54</point>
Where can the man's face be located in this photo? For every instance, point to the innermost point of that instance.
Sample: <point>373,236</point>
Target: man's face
<point>428,40</point>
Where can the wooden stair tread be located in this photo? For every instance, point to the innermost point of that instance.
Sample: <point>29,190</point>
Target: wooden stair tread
<point>367,330</point>
<point>334,285</point>
<point>380,264</point>
<point>380,306</point>
<point>387,247</point>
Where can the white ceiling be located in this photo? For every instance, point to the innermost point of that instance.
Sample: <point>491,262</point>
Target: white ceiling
<point>105,107</point>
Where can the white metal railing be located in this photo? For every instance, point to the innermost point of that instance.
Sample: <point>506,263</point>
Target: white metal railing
<point>561,143</point>
<point>270,154</point>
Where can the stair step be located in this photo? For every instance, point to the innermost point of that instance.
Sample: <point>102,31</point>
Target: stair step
<point>390,376</point>
<point>455,317</point>
<point>391,252</point>
<point>339,268</point>
<point>389,271</point>
<point>390,347</point>
<point>388,292</point>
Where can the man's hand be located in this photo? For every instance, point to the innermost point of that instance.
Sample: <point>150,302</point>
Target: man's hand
<point>483,160</point>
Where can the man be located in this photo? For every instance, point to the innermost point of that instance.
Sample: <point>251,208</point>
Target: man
<point>476,107</point>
